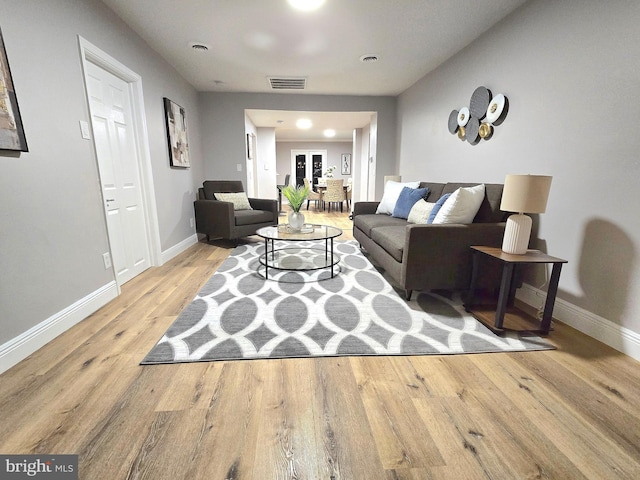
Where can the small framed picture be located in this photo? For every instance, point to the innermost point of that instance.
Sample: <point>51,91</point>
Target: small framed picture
<point>176,120</point>
<point>250,146</point>
<point>346,164</point>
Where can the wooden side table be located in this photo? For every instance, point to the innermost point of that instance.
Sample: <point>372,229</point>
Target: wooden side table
<point>508,287</point>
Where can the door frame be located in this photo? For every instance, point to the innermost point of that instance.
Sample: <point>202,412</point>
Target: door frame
<point>91,53</point>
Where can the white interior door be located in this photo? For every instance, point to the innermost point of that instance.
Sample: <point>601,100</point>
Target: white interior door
<point>111,114</point>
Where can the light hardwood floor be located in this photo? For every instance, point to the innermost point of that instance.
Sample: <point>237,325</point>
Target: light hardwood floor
<point>566,414</point>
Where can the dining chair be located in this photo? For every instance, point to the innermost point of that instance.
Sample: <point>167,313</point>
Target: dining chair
<point>334,193</point>
<point>313,196</point>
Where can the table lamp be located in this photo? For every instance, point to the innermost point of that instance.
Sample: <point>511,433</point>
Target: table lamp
<point>395,178</point>
<point>522,194</point>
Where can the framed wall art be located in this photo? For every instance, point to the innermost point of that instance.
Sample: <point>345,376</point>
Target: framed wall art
<point>176,120</point>
<point>251,146</point>
<point>345,163</point>
<point>11,131</point>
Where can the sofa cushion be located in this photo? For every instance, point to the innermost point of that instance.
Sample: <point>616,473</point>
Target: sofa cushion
<point>251,217</point>
<point>368,222</point>
<point>436,208</point>
<point>390,196</point>
<point>435,190</point>
<point>420,212</point>
<point>391,238</point>
<point>407,199</point>
<point>461,206</point>
<point>239,199</point>
<point>211,186</point>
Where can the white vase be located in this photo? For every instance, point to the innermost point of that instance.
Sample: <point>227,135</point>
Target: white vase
<point>296,221</point>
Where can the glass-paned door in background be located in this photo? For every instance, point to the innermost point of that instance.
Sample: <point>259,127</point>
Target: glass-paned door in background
<point>309,164</point>
<point>301,169</point>
<point>316,168</point>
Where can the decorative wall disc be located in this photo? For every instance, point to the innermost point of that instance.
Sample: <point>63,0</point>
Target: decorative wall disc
<point>478,121</point>
<point>473,127</point>
<point>495,108</point>
<point>453,121</point>
<point>463,116</point>
<point>479,102</point>
<point>485,130</point>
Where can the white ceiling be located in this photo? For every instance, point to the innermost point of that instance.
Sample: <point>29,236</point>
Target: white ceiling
<point>250,40</point>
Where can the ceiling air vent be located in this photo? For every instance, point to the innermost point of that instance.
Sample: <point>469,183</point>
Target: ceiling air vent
<point>288,83</point>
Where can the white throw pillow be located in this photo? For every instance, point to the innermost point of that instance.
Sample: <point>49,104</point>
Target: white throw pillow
<point>461,206</point>
<point>420,212</point>
<point>391,193</point>
<point>239,200</point>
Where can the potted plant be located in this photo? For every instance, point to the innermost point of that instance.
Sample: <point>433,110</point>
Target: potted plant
<point>296,196</point>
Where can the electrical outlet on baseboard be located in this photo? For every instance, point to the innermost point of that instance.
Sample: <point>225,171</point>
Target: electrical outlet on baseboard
<point>106,258</point>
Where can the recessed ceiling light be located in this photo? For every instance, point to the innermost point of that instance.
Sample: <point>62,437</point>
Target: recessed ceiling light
<point>369,58</point>
<point>329,133</point>
<point>304,123</point>
<point>306,5</point>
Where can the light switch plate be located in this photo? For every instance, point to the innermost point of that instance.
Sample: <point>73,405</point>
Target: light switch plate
<point>84,129</point>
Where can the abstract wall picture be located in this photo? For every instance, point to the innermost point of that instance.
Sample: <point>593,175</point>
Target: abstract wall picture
<point>11,131</point>
<point>477,121</point>
<point>176,121</point>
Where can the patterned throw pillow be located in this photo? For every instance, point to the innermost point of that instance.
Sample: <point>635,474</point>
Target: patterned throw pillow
<point>239,200</point>
<point>420,212</point>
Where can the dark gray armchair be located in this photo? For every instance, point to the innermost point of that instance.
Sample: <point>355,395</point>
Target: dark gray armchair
<point>217,219</point>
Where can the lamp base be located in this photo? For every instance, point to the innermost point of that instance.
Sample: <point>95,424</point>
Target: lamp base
<point>516,234</point>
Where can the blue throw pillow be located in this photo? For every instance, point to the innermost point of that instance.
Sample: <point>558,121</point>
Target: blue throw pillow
<point>407,199</point>
<point>437,207</point>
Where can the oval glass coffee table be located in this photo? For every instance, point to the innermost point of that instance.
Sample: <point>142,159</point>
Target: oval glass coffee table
<point>299,257</point>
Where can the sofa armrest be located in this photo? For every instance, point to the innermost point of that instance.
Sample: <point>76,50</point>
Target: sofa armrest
<point>444,251</point>
<point>265,204</point>
<point>364,208</point>
<point>214,217</point>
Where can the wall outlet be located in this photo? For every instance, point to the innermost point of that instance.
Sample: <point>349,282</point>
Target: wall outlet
<point>239,167</point>
<point>191,222</point>
<point>106,258</point>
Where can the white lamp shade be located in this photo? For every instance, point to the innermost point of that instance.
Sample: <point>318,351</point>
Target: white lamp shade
<point>395,178</point>
<point>525,193</point>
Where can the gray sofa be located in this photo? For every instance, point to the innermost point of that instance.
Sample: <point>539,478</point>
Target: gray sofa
<point>429,257</point>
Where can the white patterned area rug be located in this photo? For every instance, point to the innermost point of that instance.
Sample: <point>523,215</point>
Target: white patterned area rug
<point>240,315</point>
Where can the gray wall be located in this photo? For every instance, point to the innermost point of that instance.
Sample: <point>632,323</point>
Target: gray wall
<point>222,124</point>
<point>53,226</point>
<point>571,71</point>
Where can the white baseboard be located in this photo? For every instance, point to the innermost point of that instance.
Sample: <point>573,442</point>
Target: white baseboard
<point>37,336</point>
<point>178,248</point>
<point>618,337</point>
<point>25,344</point>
